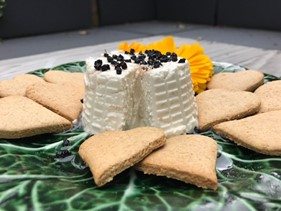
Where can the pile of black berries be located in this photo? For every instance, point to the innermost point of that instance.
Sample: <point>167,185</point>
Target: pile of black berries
<point>152,58</point>
<point>64,152</point>
<point>117,61</point>
<point>100,66</point>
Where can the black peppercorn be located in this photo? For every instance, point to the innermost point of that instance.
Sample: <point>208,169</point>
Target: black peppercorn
<point>109,59</point>
<point>137,60</point>
<point>141,56</point>
<point>63,154</point>
<point>123,65</point>
<point>120,57</point>
<point>105,67</point>
<point>98,67</point>
<point>174,57</point>
<point>143,62</point>
<point>98,62</point>
<point>114,63</point>
<point>65,143</point>
<point>150,62</point>
<point>156,64</point>
<point>164,59</point>
<point>59,154</point>
<point>132,51</point>
<point>66,153</point>
<point>118,70</point>
<point>182,60</point>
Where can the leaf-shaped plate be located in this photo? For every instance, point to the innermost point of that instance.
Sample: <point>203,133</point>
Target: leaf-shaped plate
<point>32,178</point>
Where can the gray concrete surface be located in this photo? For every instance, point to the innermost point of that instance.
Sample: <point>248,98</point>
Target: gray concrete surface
<point>12,48</point>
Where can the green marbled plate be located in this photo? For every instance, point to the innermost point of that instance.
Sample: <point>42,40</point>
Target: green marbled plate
<point>33,179</point>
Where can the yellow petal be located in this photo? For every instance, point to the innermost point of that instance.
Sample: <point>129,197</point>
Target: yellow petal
<point>199,59</point>
<point>189,51</point>
<point>124,46</point>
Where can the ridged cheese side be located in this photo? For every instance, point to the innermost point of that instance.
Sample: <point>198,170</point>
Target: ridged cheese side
<point>169,99</point>
<point>161,97</point>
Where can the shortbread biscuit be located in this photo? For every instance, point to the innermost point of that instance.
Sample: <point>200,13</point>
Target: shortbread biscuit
<point>240,81</point>
<point>270,95</point>
<point>61,99</point>
<point>219,105</point>
<point>22,117</point>
<point>18,84</point>
<point>110,153</point>
<point>188,158</point>
<point>74,79</point>
<point>260,133</point>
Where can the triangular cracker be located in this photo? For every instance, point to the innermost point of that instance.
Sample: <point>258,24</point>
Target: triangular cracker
<point>260,133</point>
<point>218,105</point>
<point>61,99</point>
<point>18,84</point>
<point>110,153</point>
<point>247,80</point>
<point>270,95</point>
<point>75,79</point>
<point>22,117</point>
<point>189,158</point>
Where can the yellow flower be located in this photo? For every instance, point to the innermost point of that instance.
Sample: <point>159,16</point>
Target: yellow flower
<point>201,66</point>
<point>164,46</point>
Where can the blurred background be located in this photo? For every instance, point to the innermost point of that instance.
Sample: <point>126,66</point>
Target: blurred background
<point>36,26</point>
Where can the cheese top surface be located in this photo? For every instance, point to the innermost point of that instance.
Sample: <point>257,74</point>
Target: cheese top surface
<point>141,95</point>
